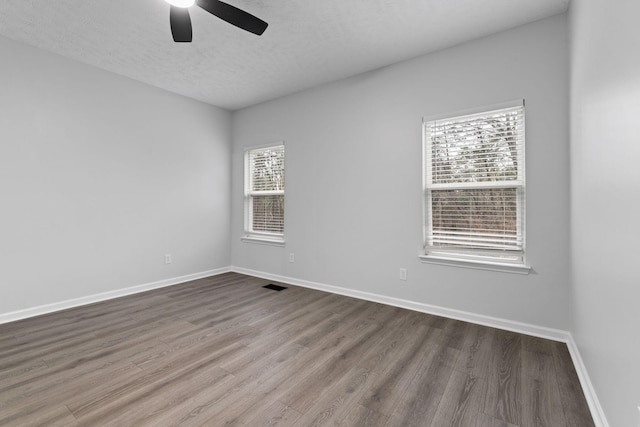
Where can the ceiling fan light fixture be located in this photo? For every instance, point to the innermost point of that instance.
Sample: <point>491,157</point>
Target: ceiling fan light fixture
<point>180,20</point>
<point>181,3</point>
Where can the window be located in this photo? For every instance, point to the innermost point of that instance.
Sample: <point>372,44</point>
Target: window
<point>474,187</point>
<point>264,194</point>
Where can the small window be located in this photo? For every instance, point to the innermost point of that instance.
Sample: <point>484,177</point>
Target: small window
<point>474,187</point>
<point>264,193</point>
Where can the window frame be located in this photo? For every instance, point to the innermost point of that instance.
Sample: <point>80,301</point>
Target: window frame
<point>259,236</point>
<point>487,259</point>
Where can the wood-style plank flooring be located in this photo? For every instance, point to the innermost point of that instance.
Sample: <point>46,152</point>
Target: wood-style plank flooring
<point>225,351</point>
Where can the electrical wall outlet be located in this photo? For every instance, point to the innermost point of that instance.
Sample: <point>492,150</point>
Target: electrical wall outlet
<point>403,274</point>
<point>292,257</point>
<point>167,259</point>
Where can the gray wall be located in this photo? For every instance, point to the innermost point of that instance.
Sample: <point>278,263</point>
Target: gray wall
<point>605,206</point>
<point>100,176</point>
<point>353,173</point>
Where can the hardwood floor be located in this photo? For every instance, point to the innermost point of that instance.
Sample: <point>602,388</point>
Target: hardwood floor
<point>225,351</point>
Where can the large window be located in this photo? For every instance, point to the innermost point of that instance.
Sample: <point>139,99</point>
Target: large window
<point>264,193</point>
<point>474,187</point>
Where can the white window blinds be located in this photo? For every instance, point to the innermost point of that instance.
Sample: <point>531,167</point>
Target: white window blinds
<point>264,191</point>
<point>474,186</point>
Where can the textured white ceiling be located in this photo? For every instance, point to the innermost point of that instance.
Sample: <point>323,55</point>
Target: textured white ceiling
<point>308,42</point>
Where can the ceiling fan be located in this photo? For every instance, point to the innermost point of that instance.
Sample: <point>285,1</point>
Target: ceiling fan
<point>181,21</point>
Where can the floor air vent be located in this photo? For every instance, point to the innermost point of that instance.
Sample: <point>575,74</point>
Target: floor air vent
<point>274,287</point>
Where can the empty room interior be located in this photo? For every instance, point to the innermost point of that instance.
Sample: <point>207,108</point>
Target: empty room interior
<point>453,243</point>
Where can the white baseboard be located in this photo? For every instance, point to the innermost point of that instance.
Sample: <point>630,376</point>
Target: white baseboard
<point>494,322</point>
<point>76,302</point>
<point>587,386</point>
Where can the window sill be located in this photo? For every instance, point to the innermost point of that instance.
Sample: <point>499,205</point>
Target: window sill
<point>273,241</point>
<point>479,265</point>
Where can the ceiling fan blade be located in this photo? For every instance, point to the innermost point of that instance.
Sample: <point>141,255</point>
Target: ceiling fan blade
<point>180,24</point>
<point>234,16</point>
